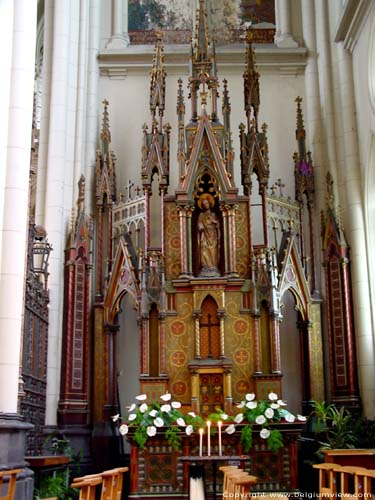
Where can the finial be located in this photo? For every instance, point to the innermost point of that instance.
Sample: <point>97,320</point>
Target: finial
<point>158,74</point>
<point>106,134</point>
<point>330,196</point>
<point>201,36</point>
<point>251,83</point>
<point>300,131</point>
<point>81,194</point>
<point>180,98</point>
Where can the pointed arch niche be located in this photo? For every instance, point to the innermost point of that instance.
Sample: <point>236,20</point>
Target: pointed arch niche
<point>292,353</point>
<point>209,331</point>
<point>156,211</point>
<point>127,353</point>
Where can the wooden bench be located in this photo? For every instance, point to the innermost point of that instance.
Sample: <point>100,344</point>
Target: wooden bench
<point>11,486</point>
<point>111,481</point>
<point>327,480</point>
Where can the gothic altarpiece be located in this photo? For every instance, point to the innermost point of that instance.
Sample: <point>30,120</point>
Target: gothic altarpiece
<point>209,296</point>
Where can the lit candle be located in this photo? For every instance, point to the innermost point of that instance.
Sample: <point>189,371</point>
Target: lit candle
<point>208,438</point>
<point>219,424</point>
<point>200,442</point>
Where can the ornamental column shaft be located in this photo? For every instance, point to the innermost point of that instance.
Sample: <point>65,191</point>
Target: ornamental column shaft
<point>118,39</point>
<point>284,28</point>
<point>14,193</point>
<point>275,346</point>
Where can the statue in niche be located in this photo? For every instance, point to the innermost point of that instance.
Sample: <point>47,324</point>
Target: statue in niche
<point>208,238</point>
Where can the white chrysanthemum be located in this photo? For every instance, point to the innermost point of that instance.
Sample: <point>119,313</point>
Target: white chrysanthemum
<point>165,408</point>
<point>123,429</point>
<point>115,417</point>
<point>250,396</point>
<point>241,405</point>
<point>192,414</point>
<point>132,407</point>
<point>260,419</point>
<point>269,413</point>
<point>281,402</point>
<point>166,397</point>
<point>224,416</point>
<point>132,417</point>
<point>143,407</point>
<point>251,405</point>
<point>230,429</point>
<point>272,396</point>
<point>181,422</point>
<point>275,406</point>
<point>189,430</point>
<point>290,418</point>
<point>265,433</point>
<point>153,413</point>
<point>141,397</point>
<point>176,404</point>
<point>238,418</point>
<point>301,418</point>
<point>151,430</point>
<point>158,422</point>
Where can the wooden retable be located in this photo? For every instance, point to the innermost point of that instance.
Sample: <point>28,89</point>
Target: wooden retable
<point>214,460</point>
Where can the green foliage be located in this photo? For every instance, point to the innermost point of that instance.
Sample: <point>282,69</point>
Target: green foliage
<point>334,426</point>
<point>247,438</point>
<point>173,437</point>
<point>140,436</point>
<point>56,485</point>
<point>275,441</point>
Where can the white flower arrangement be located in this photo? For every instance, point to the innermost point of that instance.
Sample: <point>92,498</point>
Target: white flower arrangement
<point>262,413</point>
<point>146,420</point>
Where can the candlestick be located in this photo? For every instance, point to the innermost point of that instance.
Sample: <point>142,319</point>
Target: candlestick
<point>200,442</point>
<point>208,438</point>
<point>219,424</point>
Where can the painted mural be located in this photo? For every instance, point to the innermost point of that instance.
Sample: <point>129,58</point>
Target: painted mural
<point>226,20</point>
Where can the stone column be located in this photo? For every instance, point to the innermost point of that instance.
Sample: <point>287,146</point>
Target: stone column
<point>18,19</point>
<point>284,37</point>
<point>119,39</point>
<point>314,117</point>
<point>355,231</point>
<point>15,199</point>
<point>57,208</point>
<point>91,100</point>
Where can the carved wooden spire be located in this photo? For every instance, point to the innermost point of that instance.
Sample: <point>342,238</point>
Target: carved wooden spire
<point>105,163</point>
<point>201,46</point>
<point>155,148</point>
<point>157,87</point>
<point>105,135</point>
<point>304,178</point>
<point>251,85</point>
<point>226,109</point>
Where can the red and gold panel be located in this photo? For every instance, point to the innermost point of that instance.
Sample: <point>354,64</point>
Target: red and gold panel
<point>242,240</point>
<point>180,347</point>
<point>211,392</point>
<point>172,241</point>
<point>238,345</point>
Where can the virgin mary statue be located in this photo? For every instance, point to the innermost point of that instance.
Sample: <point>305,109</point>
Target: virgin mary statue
<point>208,237</point>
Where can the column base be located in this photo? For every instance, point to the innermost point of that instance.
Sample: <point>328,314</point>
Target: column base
<point>286,42</point>
<point>12,452</point>
<point>118,42</point>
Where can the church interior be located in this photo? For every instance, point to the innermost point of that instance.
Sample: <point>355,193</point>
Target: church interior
<point>186,246</point>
